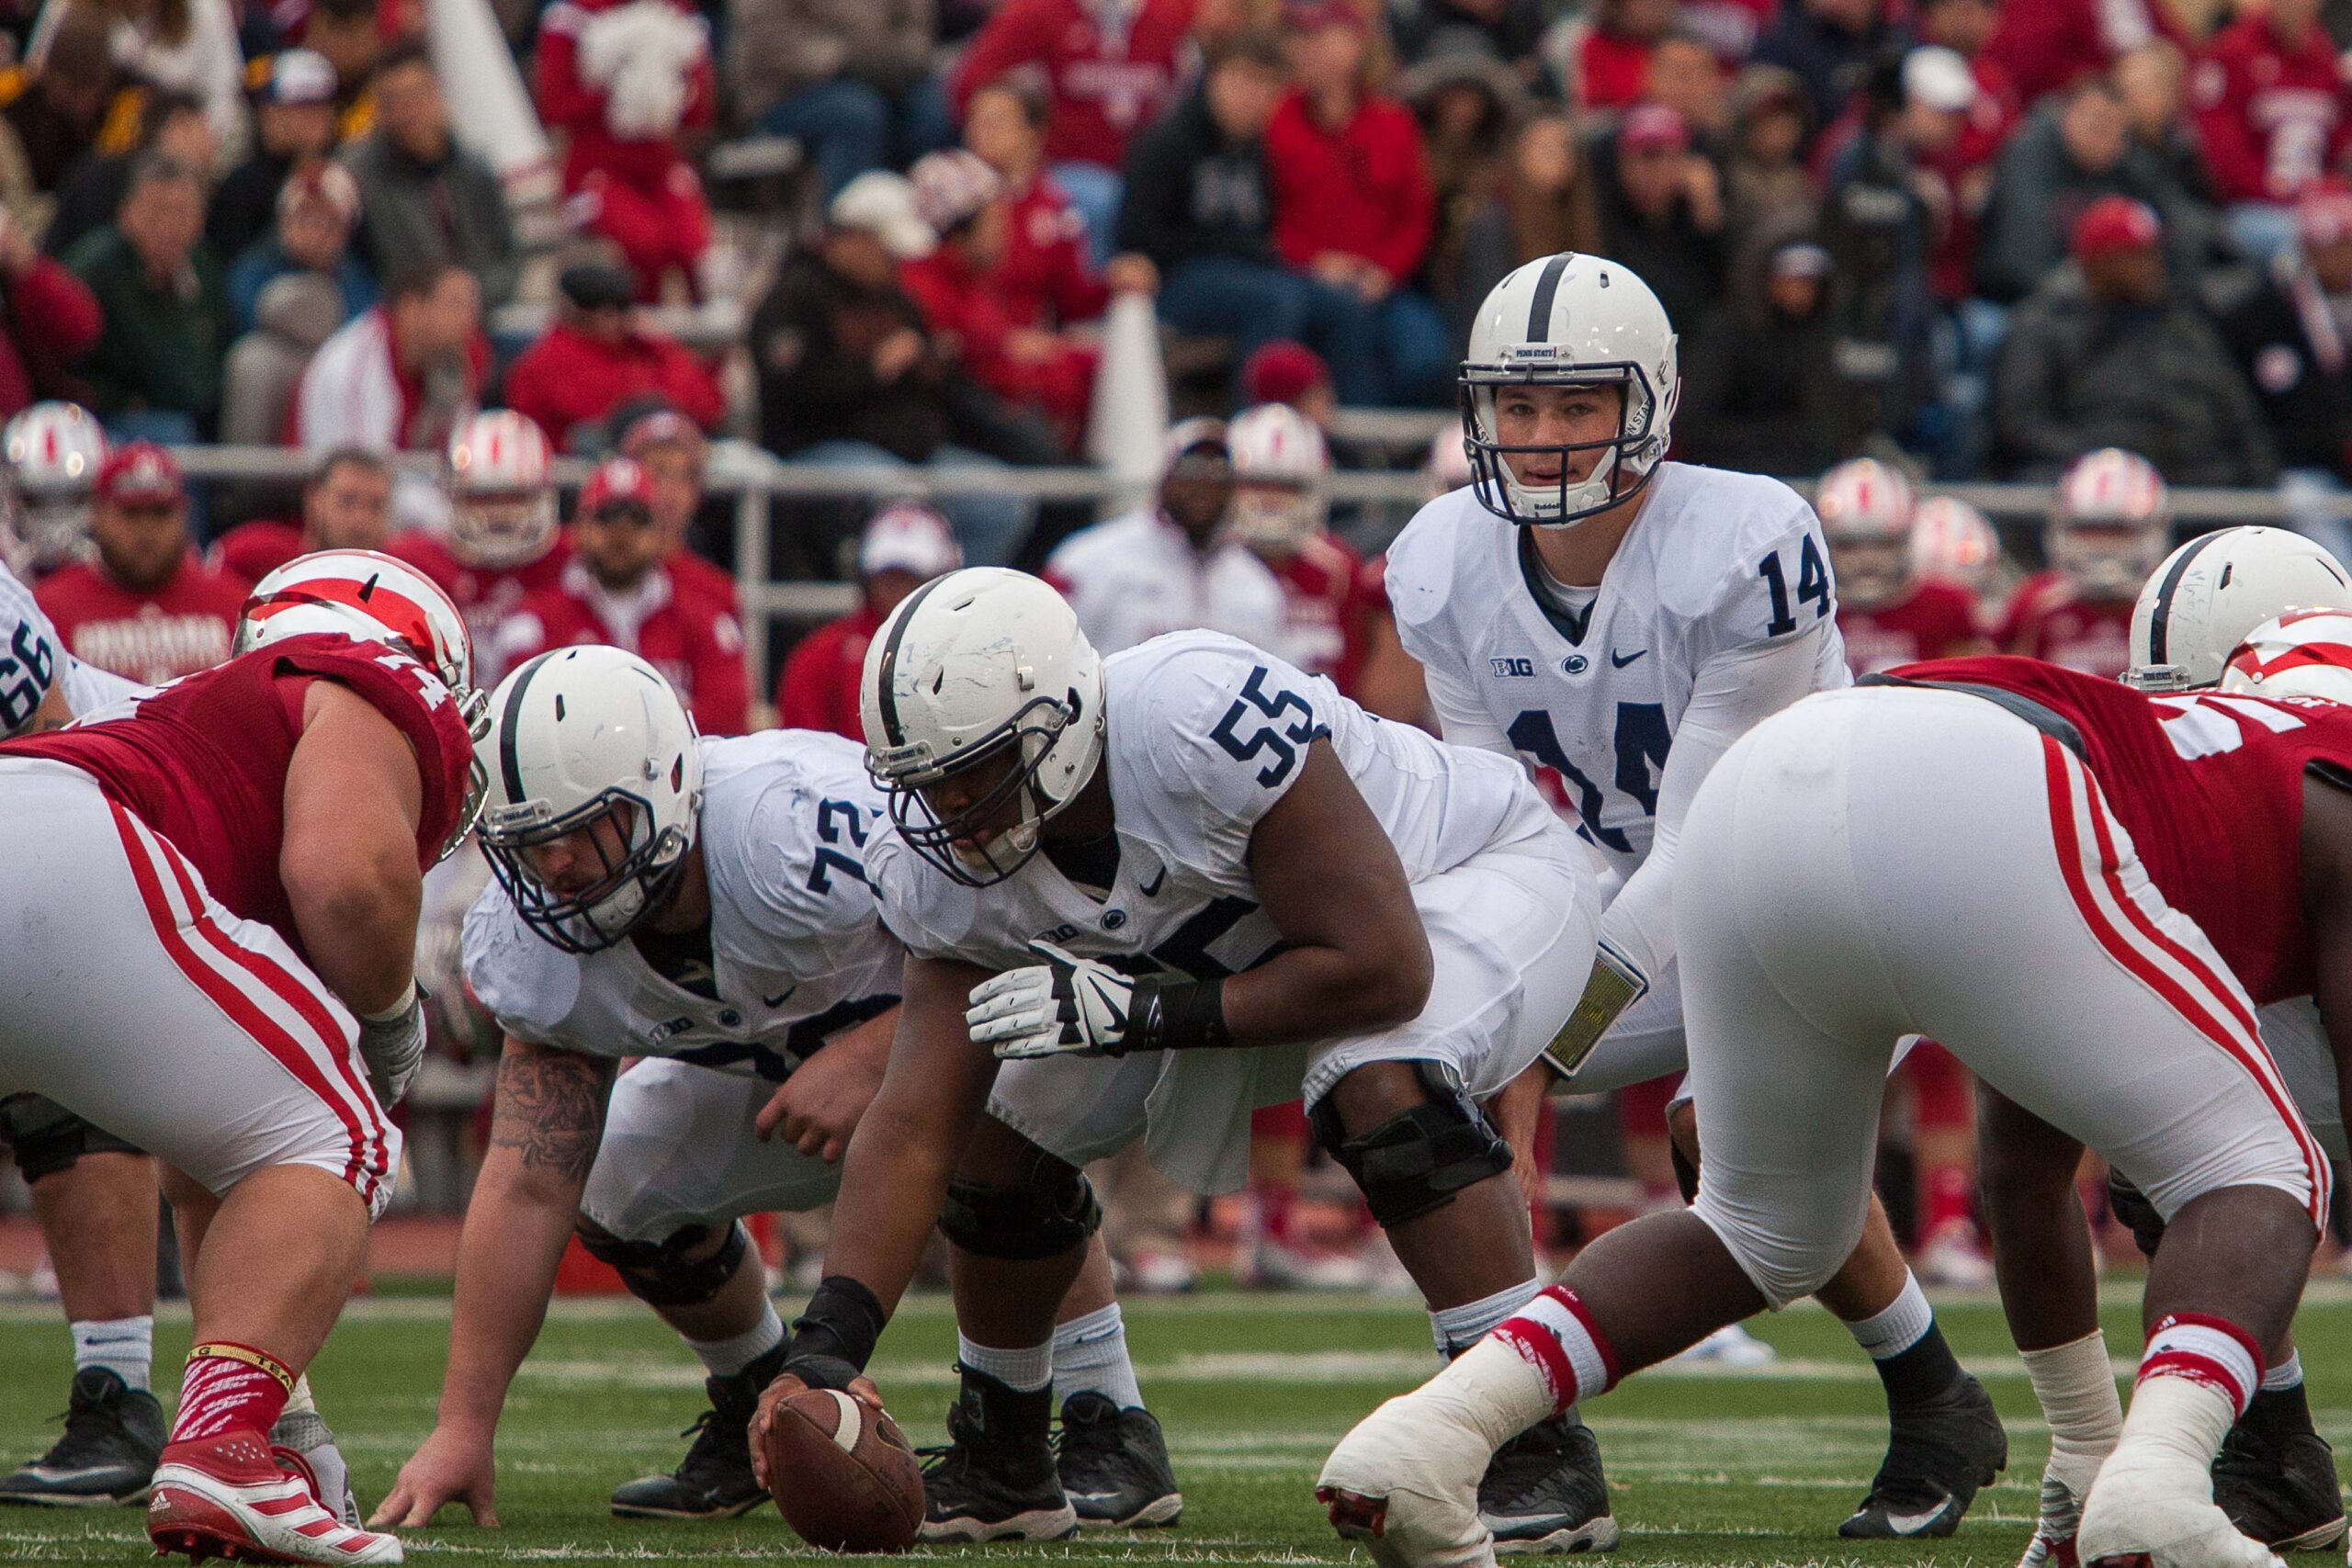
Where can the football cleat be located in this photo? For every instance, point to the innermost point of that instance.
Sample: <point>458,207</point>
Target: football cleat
<point>2282,1492</point>
<point>106,1453</point>
<point>996,1478</point>
<point>1403,1483</point>
<point>715,1479</point>
<point>227,1496</point>
<point>1937,1456</point>
<point>1544,1491</point>
<point>2060,1520</point>
<point>1730,1346</point>
<point>2152,1508</point>
<point>1114,1466</point>
<point>305,1446</point>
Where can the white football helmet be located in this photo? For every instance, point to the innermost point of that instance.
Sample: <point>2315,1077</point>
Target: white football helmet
<point>373,598</point>
<point>502,495</point>
<point>2213,591</point>
<point>1952,542</point>
<point>1282,473</point>
<point>53,453</point>
<point>2307,653</point>
<point>1865,509</point>
<point>1569,321</point>
<point>1026,701</point>
<point>585,737</point>
<point>2108,523</point>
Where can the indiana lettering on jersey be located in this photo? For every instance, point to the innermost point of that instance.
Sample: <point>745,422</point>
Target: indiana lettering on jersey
<point>152,646</point>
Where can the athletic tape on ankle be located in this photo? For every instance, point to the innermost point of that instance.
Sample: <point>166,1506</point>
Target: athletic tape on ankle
<point>223,1349</point>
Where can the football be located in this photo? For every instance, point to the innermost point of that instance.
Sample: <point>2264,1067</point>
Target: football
<point>842,1474</point>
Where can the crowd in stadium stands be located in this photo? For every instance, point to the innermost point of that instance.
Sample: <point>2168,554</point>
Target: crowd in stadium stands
<point>1974,238</point>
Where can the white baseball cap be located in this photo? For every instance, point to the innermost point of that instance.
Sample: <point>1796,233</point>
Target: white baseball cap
<point>907,537</point>
<point>1940,78</point>
<point>882,205</point>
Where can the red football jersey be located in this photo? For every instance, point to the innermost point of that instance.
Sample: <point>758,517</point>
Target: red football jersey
<point>251,551</point>
<point>203,761</point>
<point>1330,597</point>
<point>149,636</point>
<point>2046,620</point>
<point>485,597</point>
<point>817,688</point>
<point>696,644</point>
<point>704,579</point>
<point>2210,788</point>
<point>1935,620</point>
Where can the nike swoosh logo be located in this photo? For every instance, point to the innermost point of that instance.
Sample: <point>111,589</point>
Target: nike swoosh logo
<point>777,1000</point>
<point>1151,888</point>
<point>1912,1524</point>
<point>1619,661</point>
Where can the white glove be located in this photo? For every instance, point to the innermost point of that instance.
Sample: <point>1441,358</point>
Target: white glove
<point>1613,986</point>
<point>392,1044</point>
<point>1067,1006</point>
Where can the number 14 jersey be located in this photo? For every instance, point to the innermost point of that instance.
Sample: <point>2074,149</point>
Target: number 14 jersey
<point>1716,563</point>
<point>1205,733</point>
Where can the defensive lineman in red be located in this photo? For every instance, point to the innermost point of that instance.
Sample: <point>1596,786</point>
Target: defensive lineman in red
<point>2157,864</point>
<point>261,831</point>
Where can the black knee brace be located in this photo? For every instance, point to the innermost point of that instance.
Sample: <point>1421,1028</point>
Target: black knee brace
<point>1413,1163</point>
<point>47,1138</point>
<point>2131,1206</point>
<point>666,1273</point>
<point>1045,1217</point>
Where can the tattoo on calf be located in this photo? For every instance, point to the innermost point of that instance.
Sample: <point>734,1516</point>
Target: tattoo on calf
<point>551,1108</point>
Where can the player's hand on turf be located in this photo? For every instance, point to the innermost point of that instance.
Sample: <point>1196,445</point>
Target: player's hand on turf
<point>860,1388</point>
<point>818,1108</point>
<point>1066,1006</point>
<point>445,1469</point>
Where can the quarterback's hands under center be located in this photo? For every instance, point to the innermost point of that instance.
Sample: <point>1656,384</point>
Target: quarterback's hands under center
<point>785,1385</point>
<point>1066,1006</point>
<point>446,1468</point>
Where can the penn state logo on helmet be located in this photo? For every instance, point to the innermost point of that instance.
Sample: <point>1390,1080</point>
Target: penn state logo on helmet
<point>2307,653</point>
<point>1560,322</point>
<point>595,792</point>
<point>982,706</point>
<point>2210,594</point>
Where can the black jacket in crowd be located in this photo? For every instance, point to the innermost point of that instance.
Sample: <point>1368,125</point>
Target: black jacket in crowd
<point>813,340</point>
<point>1191,193</point>
<point>2286,340</point>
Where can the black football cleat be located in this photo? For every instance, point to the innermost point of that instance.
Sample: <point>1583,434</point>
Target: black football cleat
<point>996,1478</point>
<point>714,1480</point>
<point>2281,1490</point>
<point>1937,1456</point>
<point>1543,1493</point>
<point>1114,1466</point>
<point>114,1435</point>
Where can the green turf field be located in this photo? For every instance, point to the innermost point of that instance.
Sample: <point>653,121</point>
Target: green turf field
<point>1721,1469</point>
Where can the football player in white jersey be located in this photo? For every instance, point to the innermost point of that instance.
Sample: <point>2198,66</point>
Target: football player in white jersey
<point>1167,887</point>
<point>1588,606</point>
<point>93,1193</point>
<point>701,903</point>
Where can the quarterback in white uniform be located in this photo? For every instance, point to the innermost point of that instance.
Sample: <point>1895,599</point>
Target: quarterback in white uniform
<point>1168,887</point>
<point>1590,607</point>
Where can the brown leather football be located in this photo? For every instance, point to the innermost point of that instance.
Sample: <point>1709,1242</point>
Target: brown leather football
<point>842,1474</point>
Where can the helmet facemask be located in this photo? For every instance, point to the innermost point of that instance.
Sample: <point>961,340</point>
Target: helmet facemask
<point>1275,515</point>
<point>627,888</point>
<point>1023,744</point>
<point>1629,456</point>
<point>493,530</point>
<point>1871,573</point>
<point>2106,561</point>
<point>51,530</point>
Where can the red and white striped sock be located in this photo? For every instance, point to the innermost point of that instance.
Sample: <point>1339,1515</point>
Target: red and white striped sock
<point>1556,1335</point>
<point>2205,1350</point>
<point>229,1388</point>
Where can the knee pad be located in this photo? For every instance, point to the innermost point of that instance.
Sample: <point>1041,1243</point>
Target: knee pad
<point>2131,1207</point>
<point>47,1138</point>
<point>666,1273</point>
<point>1413,1163</point>
<point>1045,1217</point>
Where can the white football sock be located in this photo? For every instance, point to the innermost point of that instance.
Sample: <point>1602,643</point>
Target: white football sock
<point>1089,1356</point>
<point>1456,1329</point>
<point>2287,1374</point>
<point>1024,1372</point>
<point>1898,1326</point>
<point>123,1346</point>
<point>725,1357</point>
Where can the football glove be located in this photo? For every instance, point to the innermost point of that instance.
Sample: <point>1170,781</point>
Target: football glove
<point>393,1045</point>
<point>1613,986</point>
<point>1067,1006</point>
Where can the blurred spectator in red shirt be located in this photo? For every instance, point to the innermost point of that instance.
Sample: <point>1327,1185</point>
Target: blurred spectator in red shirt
<point>50,320</point>
<point>1353,203</point>
<point>671,451</point>
<point>1609,60</point>
<point>595,358</point>
<point>2047,45</point>
<point>626,80</point>
<point>1109,67</point>
<point>1292,373</point>
<point>398,377</point>
<point>146,609</point>
<point>2273,114</point>
<point>1046,272</point>
<point>615,589</point>
<point>904,546</point>
<point>346,505</point>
